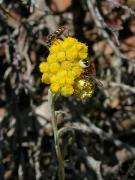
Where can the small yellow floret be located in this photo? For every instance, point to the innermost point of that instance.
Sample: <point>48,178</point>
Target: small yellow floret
<point>53,79</point>
<point>61,56</point>
<point>62,82</point>
<point>77,70</point>
<point>70,40</point>
<point>68,43</point>
<point>56,46</point>
<point>71,55</point>
<point>55,88</point>
<point>54,67</point>
<point>46,78</point>
<point>52,58</point>
<point>83,55</point>
<point>82,47</point>
<point>66,65</point>
<point>43,67</point>
<point>62,74</point>
<point>69,80</point>
<point>67,90</point>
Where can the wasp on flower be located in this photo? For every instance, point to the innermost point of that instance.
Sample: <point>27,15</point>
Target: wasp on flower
<point>66,67</point>
<point>55,35</point>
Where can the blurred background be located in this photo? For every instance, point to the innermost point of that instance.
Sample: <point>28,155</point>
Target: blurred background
<point>104,146</point>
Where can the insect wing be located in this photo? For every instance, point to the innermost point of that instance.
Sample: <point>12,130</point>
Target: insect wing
<point>92,69</point>
<point>97,81</point>
<point>60,31</point>
<point>55,35</point>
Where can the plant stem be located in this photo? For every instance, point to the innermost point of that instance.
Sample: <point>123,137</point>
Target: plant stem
<point>51,100</point>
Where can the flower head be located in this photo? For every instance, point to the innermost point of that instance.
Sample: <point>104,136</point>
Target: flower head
<point>62,69</point>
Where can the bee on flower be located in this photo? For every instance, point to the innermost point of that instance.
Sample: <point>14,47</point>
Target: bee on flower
<point>65,66</point>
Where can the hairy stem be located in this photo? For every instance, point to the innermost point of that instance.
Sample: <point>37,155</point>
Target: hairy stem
<point>51,100</point>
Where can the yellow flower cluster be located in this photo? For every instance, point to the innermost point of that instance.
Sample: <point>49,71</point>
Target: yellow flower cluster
<point>62,65</point>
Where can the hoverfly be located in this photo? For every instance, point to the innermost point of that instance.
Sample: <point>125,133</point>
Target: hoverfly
<point>85,85</point>
<point>90,71</point>
<point>55,35</point>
